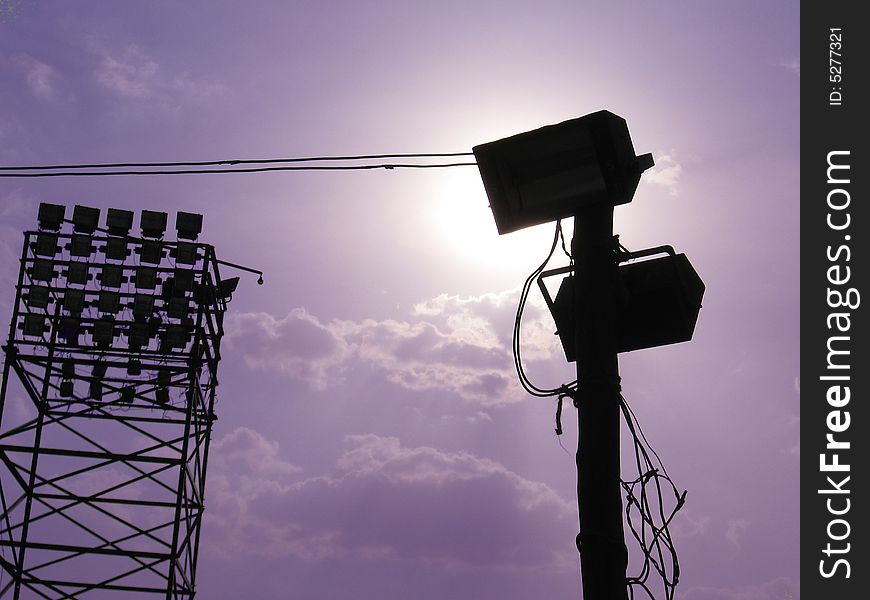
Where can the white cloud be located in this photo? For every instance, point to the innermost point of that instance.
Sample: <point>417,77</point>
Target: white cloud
<point>461,345</point>
<point>781,588</point>
<point>42,79</point>
<point>384,501</point>
<point>666,173</point>
<point>793,65</point>
<point>736,529</point>
<point>134,75</point>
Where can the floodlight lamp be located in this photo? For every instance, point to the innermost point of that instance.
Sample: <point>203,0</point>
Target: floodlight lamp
<point>183,281</point>
<point>74,301</point>
<point>46,244</point>
<point>143,306</point>
<point>151,252</point>
<point>110,302</point>
<point>186,253</point>
<point>66,388</point>
<point>103,332</point>
<point>227,287</point>
<point>78,273</point>
<point>188,225</point>
<point>34,325</point>
<point>555,171</point>
<point>153,223</point>
<point>99,369</point>
<point>68,369</point>
<point>37,297</point>
<point>138,336</point>
<point>176,336</point>
<point>127,394</point>
<point>95,390</point>
<point>85,219</point>
<point>134,367</point>
<point>146,278</point>
<point>164,377</point>
<point>82,245</point>
<point>69,330</point>
<point>43,270</point>
<point>112,276</point>
<point>50,216</point>
<point>178,308</point>
<point>116,248</point>
<point>119,222</point>
<point>161,395</point>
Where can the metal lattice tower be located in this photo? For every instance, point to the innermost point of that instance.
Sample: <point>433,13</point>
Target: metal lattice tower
<point>106,409</point>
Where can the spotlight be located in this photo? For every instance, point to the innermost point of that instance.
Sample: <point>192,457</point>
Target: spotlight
<point>179,308</point>
<point>66,388</point>
<point>95,390</point>
<point>85,219</point>
<point>99,369</point>
<point>188,225</point>
<point>127,394</point>
<point>164,377</point>
<point>119,222</point>
<point>50,216</point>
<point>138,336</point>
<point>184,279</point>
<point>116,248</point>
<point>104,332</point>
<point>153,223</point>
<point>68,369</point>
<point>78,273</point>
<point>151,252</point>
<point>37,297</point>
<point>146,278</point>
<point>46,244</point>
<point>110,302</point>
<point>186,254</point>
<point>74,301</point>
<point>69,330</point>
<point>112,276</point>
<point>143,306</point>
<point>555,171</point>
<point>161,396</point>
<point>34,325</point>
<point>81,245</point>
<point>227,287</point>
<point>43,270</point>
<point>134,367</point>
<point>176,336</point>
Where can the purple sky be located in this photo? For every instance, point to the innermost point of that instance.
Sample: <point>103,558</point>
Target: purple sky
<point>372,438</point>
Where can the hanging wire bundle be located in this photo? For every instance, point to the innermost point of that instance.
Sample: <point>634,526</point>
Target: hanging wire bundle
<point>652,498</point>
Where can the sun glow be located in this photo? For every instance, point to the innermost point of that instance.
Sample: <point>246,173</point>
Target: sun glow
<point>466,222</point>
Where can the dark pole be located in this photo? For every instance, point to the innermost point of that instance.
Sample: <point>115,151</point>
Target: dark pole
<point>601,542</point>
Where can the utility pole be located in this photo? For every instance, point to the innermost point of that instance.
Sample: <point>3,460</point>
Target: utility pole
<point>603,555</point>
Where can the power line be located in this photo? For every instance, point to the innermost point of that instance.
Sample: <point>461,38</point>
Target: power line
<point>387,166</point>
<point>159,168</point>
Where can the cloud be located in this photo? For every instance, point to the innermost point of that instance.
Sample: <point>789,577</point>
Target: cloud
<point>451,343</point>
<point>384,501</point>
<point>42,79</point>
<point>133,75</point>
<point>666,173</point>
<point>736,529</point>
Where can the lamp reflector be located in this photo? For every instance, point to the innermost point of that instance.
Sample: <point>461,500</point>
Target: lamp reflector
<point>188,225</point>
<point>146,278</point>
<point>110,302</point>
<point>116,248</point>
<point>151,252</point>
<point>227,287</point>
<point>186,253</point>
<point>119,221</point>
<point>127,393</point>
<point>104,331</point>
<point>78,273</point>
<point>37,297</point>
<point>153,223</point>
<point>85,219</point>
<point>46,244</point>
<point>82,245</point>
<point>66,388</point>
<point>178,308</point>
<point>50,216</point>
<point>112,276</point>
<point>34,325</point>
<point>143,306</point>
<point>69,330</point>
<point>43,270</point>
<point>74,301</point>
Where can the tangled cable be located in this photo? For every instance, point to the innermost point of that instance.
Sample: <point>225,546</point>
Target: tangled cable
<point>648,497</point>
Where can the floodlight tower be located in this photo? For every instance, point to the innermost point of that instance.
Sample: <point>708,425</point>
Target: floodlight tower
<point>583,168</point>
<point>114,344</point>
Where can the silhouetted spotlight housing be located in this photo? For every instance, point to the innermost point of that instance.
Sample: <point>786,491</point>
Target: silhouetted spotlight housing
<point>50,216</point>
<point>119,222</point>
<point>188,225</point>
<point>555,171</point>
<point>85,219</point>
<point>152,223</point>
<point>227,287</point>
